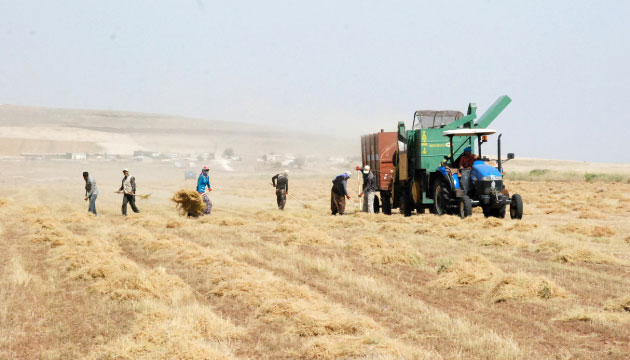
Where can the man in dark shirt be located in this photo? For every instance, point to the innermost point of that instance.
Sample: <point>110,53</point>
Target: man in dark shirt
<point>339,194</point>
<point>281,183</point>
<point>467,159</point>
<point>91,191</point>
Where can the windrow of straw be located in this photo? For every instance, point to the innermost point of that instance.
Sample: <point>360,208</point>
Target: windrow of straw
<point>477,270</point>
<point>189,202</point>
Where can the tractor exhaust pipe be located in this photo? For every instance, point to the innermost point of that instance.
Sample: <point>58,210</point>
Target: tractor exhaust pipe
<point>499,154</point>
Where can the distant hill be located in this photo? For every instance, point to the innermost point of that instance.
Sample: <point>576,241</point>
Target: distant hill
<point>38,129</point>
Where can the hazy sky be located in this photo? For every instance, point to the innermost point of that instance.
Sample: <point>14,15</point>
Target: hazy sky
<point>348,67</point>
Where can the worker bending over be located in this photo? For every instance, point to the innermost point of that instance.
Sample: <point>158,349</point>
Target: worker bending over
<point>339,194</point>
<point>281,183</point>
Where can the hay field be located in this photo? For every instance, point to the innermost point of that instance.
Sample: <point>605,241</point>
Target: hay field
<point>253,282</point>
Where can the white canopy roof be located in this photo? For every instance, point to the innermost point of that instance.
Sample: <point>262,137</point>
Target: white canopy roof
<point>469,132</point>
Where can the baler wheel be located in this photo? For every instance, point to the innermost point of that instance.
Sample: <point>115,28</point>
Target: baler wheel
<point>386,203</point>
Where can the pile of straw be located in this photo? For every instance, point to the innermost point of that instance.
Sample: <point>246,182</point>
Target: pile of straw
<point>189,202</point>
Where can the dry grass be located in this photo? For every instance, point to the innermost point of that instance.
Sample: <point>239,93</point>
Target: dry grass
<point>250,281</point>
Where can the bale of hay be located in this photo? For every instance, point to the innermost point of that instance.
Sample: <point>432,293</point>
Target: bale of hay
<point>585,255</point>
<point>469,270</point>
<point>525,287</point>
<point>618,305</point>
<point>364,346</point>
<point>189,202</point>
<point>305,317</point>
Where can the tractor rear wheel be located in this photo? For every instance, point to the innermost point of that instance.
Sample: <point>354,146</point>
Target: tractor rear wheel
<point>516,207</point>
<point>440,203</point>
<point>465,207</point>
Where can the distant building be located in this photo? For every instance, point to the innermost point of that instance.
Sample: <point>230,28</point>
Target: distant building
<point>78,156</point>
<point>150,154</point>
<point>337,160</point>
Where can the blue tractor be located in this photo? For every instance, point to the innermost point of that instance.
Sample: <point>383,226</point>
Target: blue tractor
<point>461,189</point>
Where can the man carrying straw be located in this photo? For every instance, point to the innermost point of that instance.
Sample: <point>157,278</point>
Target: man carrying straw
<point>202,183</point>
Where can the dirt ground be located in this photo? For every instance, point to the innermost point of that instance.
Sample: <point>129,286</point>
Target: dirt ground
<point>251,281</point>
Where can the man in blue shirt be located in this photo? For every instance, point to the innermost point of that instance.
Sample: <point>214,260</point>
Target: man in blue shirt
<point>202,183</point>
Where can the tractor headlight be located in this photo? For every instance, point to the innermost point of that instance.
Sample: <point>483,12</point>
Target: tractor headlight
<point>491,177</point>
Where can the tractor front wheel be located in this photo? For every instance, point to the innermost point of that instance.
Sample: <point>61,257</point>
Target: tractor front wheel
<point>465,207</point>
<point>516,207</point>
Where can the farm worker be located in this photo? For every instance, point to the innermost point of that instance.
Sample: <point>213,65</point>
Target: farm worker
<point>369,188</point>
<point>91,191</point>
<point>281,183</point>
<point>339,194</point>
<point>467,159</point>
<point>128,189</point>
<point>202,183</point>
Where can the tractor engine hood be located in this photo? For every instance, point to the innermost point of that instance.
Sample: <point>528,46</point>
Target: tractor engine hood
<point>483,171</point>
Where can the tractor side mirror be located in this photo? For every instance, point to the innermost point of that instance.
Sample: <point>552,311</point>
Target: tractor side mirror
<point>510,156</point>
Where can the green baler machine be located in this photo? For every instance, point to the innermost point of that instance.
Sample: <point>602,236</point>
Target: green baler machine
<point>424,148</point>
